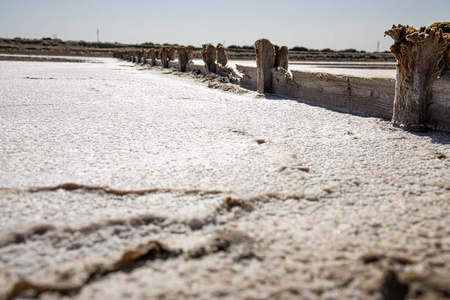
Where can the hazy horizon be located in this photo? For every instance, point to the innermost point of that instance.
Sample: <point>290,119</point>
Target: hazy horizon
<point>323,24</point>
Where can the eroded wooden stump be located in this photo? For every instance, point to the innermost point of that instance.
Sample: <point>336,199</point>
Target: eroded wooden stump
<point>421,58</point>
<point>182,58</point>
<point>163,57</point>
<point>209,57</point>
<point>281,57</point>
<point>151,57</point>
<point>140,56</point>
<point>190,53</point>
<point>265,61</point>
<point>222,57</point>
<point>171,55</point>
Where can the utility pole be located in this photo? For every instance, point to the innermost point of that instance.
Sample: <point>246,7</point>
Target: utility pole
<point>378,46</point>
<point>98,36</point>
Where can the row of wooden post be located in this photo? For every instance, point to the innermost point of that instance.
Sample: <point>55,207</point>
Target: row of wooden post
<point>422,56</point>
<point>212,56</point>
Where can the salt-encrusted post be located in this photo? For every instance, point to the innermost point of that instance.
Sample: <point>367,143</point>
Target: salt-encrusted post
<point>222,57</point>
<point>190,53</point>
<point>171,54</point>
<point>281,57</point>
<point>146,54</point>
<point>163,56</point>
<point>420,61</point>
<point>182,58</point>
<point>152,57</point>
<point>209,57</point>
<point>139,56</point>
<point>265,61</point>
<point>143,56</point>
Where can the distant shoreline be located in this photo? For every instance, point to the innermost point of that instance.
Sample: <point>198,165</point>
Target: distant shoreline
<point>55,47</point>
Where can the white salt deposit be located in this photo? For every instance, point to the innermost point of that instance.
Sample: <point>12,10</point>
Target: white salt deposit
<point>306,196</point>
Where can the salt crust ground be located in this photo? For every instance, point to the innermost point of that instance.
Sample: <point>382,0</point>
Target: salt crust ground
<point>218,195</point>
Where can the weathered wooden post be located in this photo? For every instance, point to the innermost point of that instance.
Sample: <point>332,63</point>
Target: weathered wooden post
<point>222,57</point>
<point>281,57</point>
<point>143,56</point>
<point>183,59</point>
<point>190,53</point>
<point>152,57</point>
<point>171,55</point>
<point>139,56</point>
<point>146,53</point>
<point>421,59</point>
<point>265,61</point>
<point>163,57</point>
<point>209,57</point>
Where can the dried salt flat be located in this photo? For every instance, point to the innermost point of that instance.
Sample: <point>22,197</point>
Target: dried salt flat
<point>211,195</point>
<point>52,56</point>
<point>59,58</point>
<point>362,69</point>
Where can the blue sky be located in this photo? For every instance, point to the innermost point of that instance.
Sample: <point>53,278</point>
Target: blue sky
<point>318,24</point>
